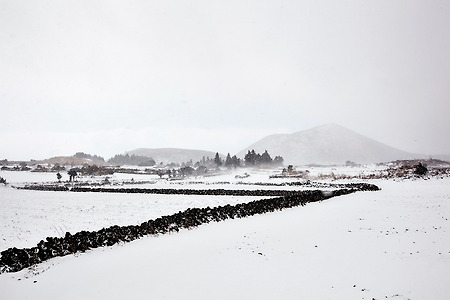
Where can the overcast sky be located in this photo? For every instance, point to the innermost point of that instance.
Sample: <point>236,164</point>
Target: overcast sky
<point>105,77</point>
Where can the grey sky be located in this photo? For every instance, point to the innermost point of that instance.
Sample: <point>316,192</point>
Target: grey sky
<point>104,77</point>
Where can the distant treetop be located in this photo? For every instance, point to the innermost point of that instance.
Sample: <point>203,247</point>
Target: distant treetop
<point>88,156</point>
<point>134,160</point>
<point>254,159</point>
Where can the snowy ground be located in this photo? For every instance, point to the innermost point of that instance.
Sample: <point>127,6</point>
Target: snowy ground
<point>389,244</point>
<point>26,217</point>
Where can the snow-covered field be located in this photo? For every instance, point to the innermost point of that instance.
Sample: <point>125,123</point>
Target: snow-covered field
<point>389,244</point>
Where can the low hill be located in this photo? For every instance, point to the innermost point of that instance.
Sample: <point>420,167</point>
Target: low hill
<point>68,160</point>
<point>327,145</point>
<point>175,155</point>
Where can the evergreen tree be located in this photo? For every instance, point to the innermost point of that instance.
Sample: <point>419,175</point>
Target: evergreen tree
<point>217,159</point>
<point>236,162</point>
<point>265,158</point>
<point>253,159</point>
<point>228,161</point>
<point>250,158</point>
<point>278,160</point>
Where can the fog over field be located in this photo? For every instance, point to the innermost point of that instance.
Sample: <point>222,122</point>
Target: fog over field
<point>105,77</point>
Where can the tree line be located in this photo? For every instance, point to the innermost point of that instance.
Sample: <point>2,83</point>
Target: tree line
<point>251,159</point>
<point>255,159</point>
<point>89,156</point>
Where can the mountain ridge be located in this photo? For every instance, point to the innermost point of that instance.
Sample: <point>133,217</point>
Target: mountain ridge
<point>327,144</point>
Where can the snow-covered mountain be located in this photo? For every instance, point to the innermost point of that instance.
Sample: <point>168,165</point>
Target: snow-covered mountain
<point>327,144</point>
<point>175,155</point>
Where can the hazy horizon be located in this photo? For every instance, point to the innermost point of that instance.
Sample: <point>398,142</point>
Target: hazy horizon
<point>243,148</point>
<point>105,77</point>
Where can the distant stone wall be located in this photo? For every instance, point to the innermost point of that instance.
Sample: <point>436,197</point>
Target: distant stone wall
<point>212,192</point>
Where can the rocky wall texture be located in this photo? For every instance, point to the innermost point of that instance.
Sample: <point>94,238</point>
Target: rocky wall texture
<point>14,259</point>
<point>213,192</point>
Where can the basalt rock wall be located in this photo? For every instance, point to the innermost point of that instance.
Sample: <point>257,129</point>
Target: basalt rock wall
<point>14,259</point>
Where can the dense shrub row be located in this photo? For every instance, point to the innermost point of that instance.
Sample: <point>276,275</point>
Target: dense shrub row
<point>13,259</point>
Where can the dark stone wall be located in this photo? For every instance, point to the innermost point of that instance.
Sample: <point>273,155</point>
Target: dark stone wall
<point>14,259</point>
<point>213,192</point>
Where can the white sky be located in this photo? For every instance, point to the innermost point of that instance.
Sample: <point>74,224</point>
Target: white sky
<point>104,77</point>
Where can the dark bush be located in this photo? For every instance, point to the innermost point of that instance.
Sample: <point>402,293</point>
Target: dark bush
<point>420,169</point>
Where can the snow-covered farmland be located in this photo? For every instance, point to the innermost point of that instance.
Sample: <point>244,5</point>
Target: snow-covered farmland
<point>26,217</point>
<point>389,244</point>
